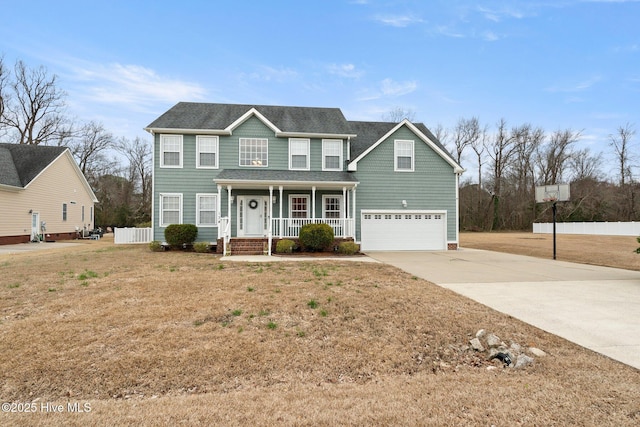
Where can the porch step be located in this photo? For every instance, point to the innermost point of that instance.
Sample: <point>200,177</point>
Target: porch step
<point>247,246</point>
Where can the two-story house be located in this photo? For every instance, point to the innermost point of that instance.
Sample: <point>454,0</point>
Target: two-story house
<point>259,172</point>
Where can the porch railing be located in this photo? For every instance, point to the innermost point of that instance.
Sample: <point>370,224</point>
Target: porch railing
<point>342,227</point>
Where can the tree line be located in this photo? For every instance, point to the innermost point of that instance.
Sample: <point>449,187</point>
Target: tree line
<point>33,111</point>
<point>510,161</point>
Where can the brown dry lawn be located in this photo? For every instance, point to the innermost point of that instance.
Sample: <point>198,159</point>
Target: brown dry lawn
<point>609,251</point>
<point>178,338</point>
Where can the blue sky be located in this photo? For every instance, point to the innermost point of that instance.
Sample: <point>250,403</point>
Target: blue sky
<point>556,64</point>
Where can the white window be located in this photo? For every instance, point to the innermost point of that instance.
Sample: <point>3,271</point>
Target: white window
<point>170,151</point>
<point>254,152</point>
<point>207,152</point>
<point>206,205</point>
<point>332,207</point>
<point>331,154</point>
<point>299,154</point>
<point>403,152</point>
<point>170,209</point>
<point>298,206</point>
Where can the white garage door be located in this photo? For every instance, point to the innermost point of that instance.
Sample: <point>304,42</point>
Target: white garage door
<point>403,230</point>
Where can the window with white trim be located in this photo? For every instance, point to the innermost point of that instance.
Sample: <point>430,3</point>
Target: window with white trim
<point>207,152</point>
<point>170,209</point>
<point>298,206</point>
<point>298,154</point>
<point>206,214</point>
<point>254,152</point>
<point>403,153</point>
<point>170,151</point>
<point>332,206</point>
<point>331,154</point>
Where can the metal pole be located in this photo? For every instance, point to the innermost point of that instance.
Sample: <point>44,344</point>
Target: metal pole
<point>554,230</point>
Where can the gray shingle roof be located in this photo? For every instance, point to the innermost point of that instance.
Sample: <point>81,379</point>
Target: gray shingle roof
<point>211,116</point>
<point>21,163</point>
<point>284,175</point>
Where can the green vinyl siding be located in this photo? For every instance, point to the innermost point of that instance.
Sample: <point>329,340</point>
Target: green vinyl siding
<point>432,185</point>
<point>190,180</point>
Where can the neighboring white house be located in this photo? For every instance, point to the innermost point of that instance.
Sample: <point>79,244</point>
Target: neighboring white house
<point>42,192</point>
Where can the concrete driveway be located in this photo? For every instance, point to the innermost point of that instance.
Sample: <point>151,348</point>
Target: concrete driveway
<point>595,307</point>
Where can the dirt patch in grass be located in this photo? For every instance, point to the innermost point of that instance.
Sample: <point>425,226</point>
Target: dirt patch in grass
<point>609,251</point>
<point>175,338</point>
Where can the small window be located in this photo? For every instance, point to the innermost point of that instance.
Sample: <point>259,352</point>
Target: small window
<point>403,151</point>
<point>418,216</point>
<point>378,216</point>
<point>206,205</point>
<point>332,207</point>
<point>207,152</point>
<point>331,154</point>
<point>438,216</point>
<point>83,214</point>
<point>64,211</point>
<point>387,217</point>
<point>170,151</point>
<point>299,154</point>
<point>367,216</point>
<point>407,217</point>
<point>254,152</point>
<point>398,216</point>
<point>298,206</point>
<point>170,209</point>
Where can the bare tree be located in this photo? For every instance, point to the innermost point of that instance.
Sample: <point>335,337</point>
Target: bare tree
<point>35,113</point>
<point>500,151</point>
<point>621,144</point>
<point>138,152</point>
<point>4,76</point>
<point>552,158</point>
<point>397,114</point>
<point>583,165</point>
<point>466,132</point>
<point>90,145</point>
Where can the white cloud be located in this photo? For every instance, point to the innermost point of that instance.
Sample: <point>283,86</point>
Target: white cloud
<point>578,87</point>
<point>345,70</point>
<point>392,88</point>
<point>132,85</point>
<point>399,21</point>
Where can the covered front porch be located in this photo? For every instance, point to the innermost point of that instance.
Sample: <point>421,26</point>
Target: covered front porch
<point>268,205</point>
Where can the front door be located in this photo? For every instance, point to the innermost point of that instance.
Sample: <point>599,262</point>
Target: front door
<point>35,229</point>
<point>252,216</point>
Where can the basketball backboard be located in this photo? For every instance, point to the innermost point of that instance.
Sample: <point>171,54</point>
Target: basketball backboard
<point>552,193</point>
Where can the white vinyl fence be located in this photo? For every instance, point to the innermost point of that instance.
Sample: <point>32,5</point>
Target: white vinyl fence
<point>601,228</point>
<point>132,235</point>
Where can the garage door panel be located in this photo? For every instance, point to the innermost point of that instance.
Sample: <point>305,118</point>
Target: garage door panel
<point>419,230</point>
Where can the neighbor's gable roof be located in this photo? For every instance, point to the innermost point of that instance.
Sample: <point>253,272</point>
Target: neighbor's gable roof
<point>372,134</point>
<point>21,164</point>
<point>222,119</point>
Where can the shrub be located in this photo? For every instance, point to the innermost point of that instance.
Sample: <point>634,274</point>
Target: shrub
<point>638,250</point>
<point>155,246</point>
<point>144,225</point>
<point>285,246</point>
<point>316,237</point>
<point>201,247</point>
<point>180,234</point>
<point>348,248</point>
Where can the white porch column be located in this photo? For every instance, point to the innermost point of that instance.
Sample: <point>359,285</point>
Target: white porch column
<point>281,188</point>
<point>229,204</point>
<point>313,202</point>
<point>344,212</point>
<point>218,208</point>
<point>270,227</point>
<point>355,211</point>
